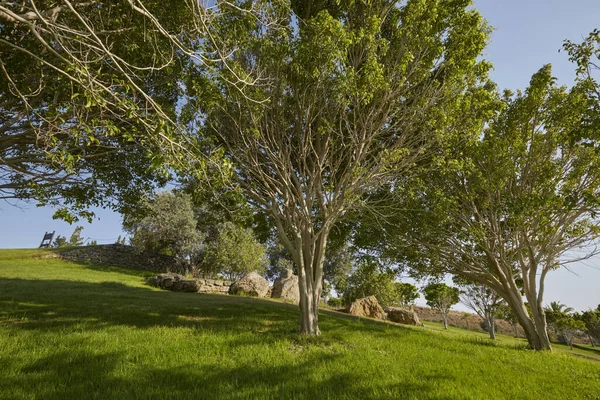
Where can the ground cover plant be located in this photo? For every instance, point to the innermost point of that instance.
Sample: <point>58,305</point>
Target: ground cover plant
<point>72,331</point>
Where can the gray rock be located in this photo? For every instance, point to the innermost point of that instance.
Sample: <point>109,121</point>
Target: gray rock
<point>402,316</point>
<point>251,284</point>
<point>286,289</point>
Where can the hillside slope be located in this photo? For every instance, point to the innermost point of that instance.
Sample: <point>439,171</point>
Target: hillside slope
<point>71,331</point>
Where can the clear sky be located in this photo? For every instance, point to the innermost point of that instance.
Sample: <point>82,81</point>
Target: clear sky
<point>527,35</point>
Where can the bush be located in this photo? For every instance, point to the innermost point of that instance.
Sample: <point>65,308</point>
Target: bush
<point>335,302</point>
<point>233,252</point>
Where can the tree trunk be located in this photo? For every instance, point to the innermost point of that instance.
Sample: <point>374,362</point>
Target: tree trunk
<point>309,256</point>
<point>537,340</point>
<point>445,320</point>
<point>491,328</point>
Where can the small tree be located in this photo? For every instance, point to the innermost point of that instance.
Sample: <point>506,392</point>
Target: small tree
<point>591,319</point>
<point>369,278</point>
<point>233,252</point>
<point>405,294</point>
<point>76,239</point>
<point>568,327</point>
<point>59,241</point>
<point>441,297</point>
<point>485,302</point>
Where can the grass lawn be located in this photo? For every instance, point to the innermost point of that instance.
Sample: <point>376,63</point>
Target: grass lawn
<point>71,331</point>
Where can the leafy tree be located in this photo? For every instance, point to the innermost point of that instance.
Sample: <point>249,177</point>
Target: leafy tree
<point>405,294</point>
<point>485,302</point>
<point>557,310</point>
<point>505,312</point>
<point>76,239</point>
<point>233,252</point>
<point>568,326</point>
<point>86,94</point>
<point>441,297</point>
<point>519,199</point>
<point>591,319</point>
<point>346,96</point>
<point>89,96</point>
<point>169,226</point>
<point>59,241</point>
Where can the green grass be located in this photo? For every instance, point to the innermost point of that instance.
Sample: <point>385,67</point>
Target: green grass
<point>70,331</point>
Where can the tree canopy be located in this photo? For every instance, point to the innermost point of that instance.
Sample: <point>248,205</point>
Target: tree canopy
<point>347,97</point>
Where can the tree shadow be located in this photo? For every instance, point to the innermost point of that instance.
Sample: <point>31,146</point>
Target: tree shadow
<point>78,375</point>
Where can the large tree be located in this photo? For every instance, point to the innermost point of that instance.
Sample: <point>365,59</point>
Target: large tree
<point>521,202</point>
<point>88,96</point>
<point>347,96</point>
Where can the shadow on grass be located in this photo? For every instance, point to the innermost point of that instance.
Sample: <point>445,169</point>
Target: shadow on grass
<point>73,375</point>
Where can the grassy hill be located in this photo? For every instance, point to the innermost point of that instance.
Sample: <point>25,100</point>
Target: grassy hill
<point>71,331</point>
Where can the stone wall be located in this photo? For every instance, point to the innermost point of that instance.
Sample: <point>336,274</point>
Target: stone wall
<point>213,286</point>
<point>122,256</point>
<point>179,283</point>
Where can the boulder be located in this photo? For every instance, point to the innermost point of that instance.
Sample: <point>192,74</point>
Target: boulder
<point>286,273</point>
<point>367,307</point>
<point>251,284</point>
<point>174,282</point>
<point>185,285</point>
<point>402,316</point>
<point>286,288</point>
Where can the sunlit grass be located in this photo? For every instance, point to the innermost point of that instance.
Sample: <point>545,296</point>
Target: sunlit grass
<point>70,331</point>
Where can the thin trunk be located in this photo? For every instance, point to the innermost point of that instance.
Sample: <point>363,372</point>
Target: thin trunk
<point>310,258</point>
<point>491,328</point>
<point>444,319</point>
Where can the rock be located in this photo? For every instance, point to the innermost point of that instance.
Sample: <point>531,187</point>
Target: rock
<point>367,307</point>
<point>402,316</point>
<point>185,286</point>
<point>286,273</point>
<point>286,288</point>
<point>251,284</point>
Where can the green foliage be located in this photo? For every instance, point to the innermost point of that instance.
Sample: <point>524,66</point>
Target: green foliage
<point>335,302</point>
<point>568,327</point>
<point>233,252</point>
<point>79,128</point>
<point>169,226</point>
<point>441,297</point>
<point>59,241</point>
<point>372,278</point>
<point>76,239</point>
<point>591,319</point>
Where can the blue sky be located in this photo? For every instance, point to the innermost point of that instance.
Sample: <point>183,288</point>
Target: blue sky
<point>527,35</point>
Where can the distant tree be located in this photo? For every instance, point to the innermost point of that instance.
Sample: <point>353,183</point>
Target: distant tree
<point>168,226</point>
<point>76,239</point>
<point>233,252</point>
<point>370,277</point>
<point>591,319</point>
<point>555,310</point>
<point>405,294</point>
<point>120,240</point>
<point>441,297</point>
<point>568,326</point>
<point>505,312</point>
<point>485,302</point>
<point>59,241</point>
